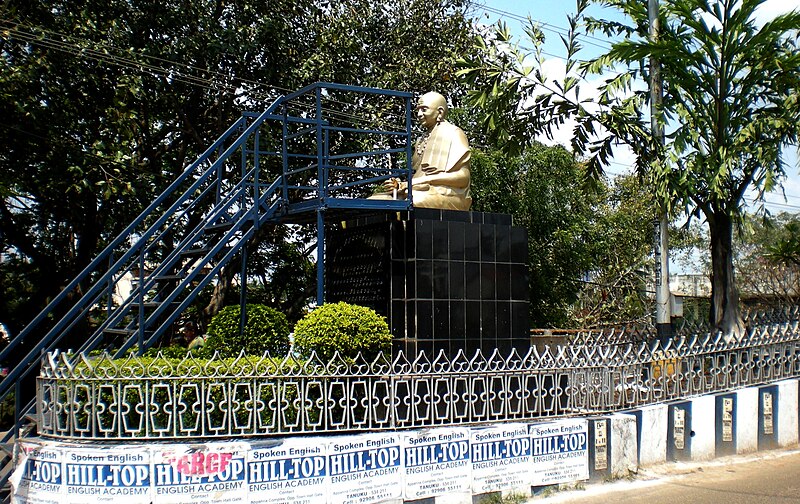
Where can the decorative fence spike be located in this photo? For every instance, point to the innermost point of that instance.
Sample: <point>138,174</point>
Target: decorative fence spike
<point>82,397</point>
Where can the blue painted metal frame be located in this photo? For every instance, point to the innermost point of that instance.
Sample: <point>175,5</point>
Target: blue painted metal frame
<point>245,206</point>
<point>321,128</point>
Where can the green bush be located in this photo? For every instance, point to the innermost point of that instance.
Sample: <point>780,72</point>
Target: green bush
<point>266,329</point>
<point>342,327</point>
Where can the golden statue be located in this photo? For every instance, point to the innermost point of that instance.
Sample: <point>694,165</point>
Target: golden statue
<point>440,162</point>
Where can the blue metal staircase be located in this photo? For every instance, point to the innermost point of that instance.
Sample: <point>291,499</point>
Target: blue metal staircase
<point>134,291</point>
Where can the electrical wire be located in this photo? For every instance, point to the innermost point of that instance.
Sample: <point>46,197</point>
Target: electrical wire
<point>558,30</point>
<point>178,72</point>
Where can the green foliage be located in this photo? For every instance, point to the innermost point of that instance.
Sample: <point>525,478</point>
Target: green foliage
<point>180,370</point>
<point>501,80</point>
<point>265,330</point>
<point>407,45</point>
<point>282,274</point>
<point>7,406</point>
<point>768,260</point>
<point>170,352</point>
<point>621,242</point>
<point>785,249</point>
<point>344,328</point>
<point>589,242</point>
<point>578,227</point>
<point>731,92</point>
<point>547,192</point>
<point>107,102</point>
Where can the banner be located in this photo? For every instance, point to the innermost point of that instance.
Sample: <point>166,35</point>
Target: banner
<point>349,469</point>
<point>365,469</point>
<point>200,474</point>
<point>39,477</point>
<point>501,458</point>
<point>559,451</point>
<point>436,462</point>
<point>119,475</point>
<point>288,472</point>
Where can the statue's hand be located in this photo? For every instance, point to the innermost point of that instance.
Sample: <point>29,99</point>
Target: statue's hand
<point>421,183</point>
<point>390,185</point>
<point>429,170</point>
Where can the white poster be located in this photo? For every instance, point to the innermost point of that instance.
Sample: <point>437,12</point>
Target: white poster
<point>501,458</point>
<point>119,475</point>
<point>365,469</point>
<point>39,477</point>
<point>436,462</point>
<point>287,472</point>
<point>559,451</point>
<point>200,474</point>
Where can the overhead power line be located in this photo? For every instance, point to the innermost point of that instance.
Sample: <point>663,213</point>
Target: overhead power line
<point>174,71</point>
<point>218,81</point>
<point>558,30</point>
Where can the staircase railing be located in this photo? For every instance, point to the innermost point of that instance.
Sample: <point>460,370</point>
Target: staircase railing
<point>133,292</point>
<point>146,252</point>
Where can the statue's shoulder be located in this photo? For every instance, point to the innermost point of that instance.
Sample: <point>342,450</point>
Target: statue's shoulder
<point>452,131</point>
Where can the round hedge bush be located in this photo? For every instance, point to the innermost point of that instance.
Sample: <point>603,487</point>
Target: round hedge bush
<point>348,329</point>
<point>266,329</point>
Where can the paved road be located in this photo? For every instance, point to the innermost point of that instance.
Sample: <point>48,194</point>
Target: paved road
<point>769,478</point>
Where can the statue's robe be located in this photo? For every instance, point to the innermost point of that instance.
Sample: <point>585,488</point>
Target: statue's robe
<point>444,149</point>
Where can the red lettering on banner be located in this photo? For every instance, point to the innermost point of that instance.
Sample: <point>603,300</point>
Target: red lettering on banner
<point>201,464</point>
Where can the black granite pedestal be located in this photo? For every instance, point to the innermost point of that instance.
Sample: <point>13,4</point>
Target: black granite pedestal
<point>445,280</point>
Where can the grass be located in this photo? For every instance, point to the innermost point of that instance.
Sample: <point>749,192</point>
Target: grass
<point>497,498</point>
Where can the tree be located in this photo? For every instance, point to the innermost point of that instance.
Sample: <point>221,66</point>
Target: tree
<point>621,244</point>
<point>766,260</point>
<point>786,249</point>
<point>538,189</point>
<point>407,45</point>
<point>105,102</point>
<point>730,106</point>
<point>588,242</point>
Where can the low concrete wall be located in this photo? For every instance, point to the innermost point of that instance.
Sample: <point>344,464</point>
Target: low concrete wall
<point>652,423</point>
<point>708,429</point>
<point>745,418</point>
<point>703,433</point>
<point>787,413</point>
<point>624,445</point>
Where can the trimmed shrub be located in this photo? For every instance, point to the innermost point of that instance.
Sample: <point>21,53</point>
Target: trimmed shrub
<point>342,327</point>
<point>266,329</point>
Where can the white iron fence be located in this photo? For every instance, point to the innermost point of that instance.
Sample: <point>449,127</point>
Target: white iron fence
<point>138,398</point>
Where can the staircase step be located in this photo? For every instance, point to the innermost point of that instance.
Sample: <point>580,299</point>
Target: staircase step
<point>125,334</point>
<point>153,304</point>
<point>178,278</point>
<point>169,278</point>
<point>218,228</point>
<point>7,448</point>
<point>195,252</point>
<point>119,332</point>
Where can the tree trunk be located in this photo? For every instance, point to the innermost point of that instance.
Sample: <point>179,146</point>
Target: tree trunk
<point>725,313</point>
<point>226,274</point>
<point>224,282</point>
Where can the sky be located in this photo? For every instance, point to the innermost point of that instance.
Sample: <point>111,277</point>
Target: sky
<point>553,17</point>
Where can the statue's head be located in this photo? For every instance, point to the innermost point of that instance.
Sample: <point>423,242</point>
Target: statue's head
<point>431,109</point>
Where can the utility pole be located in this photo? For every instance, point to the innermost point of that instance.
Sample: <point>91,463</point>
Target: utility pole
<point>661,225</point>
